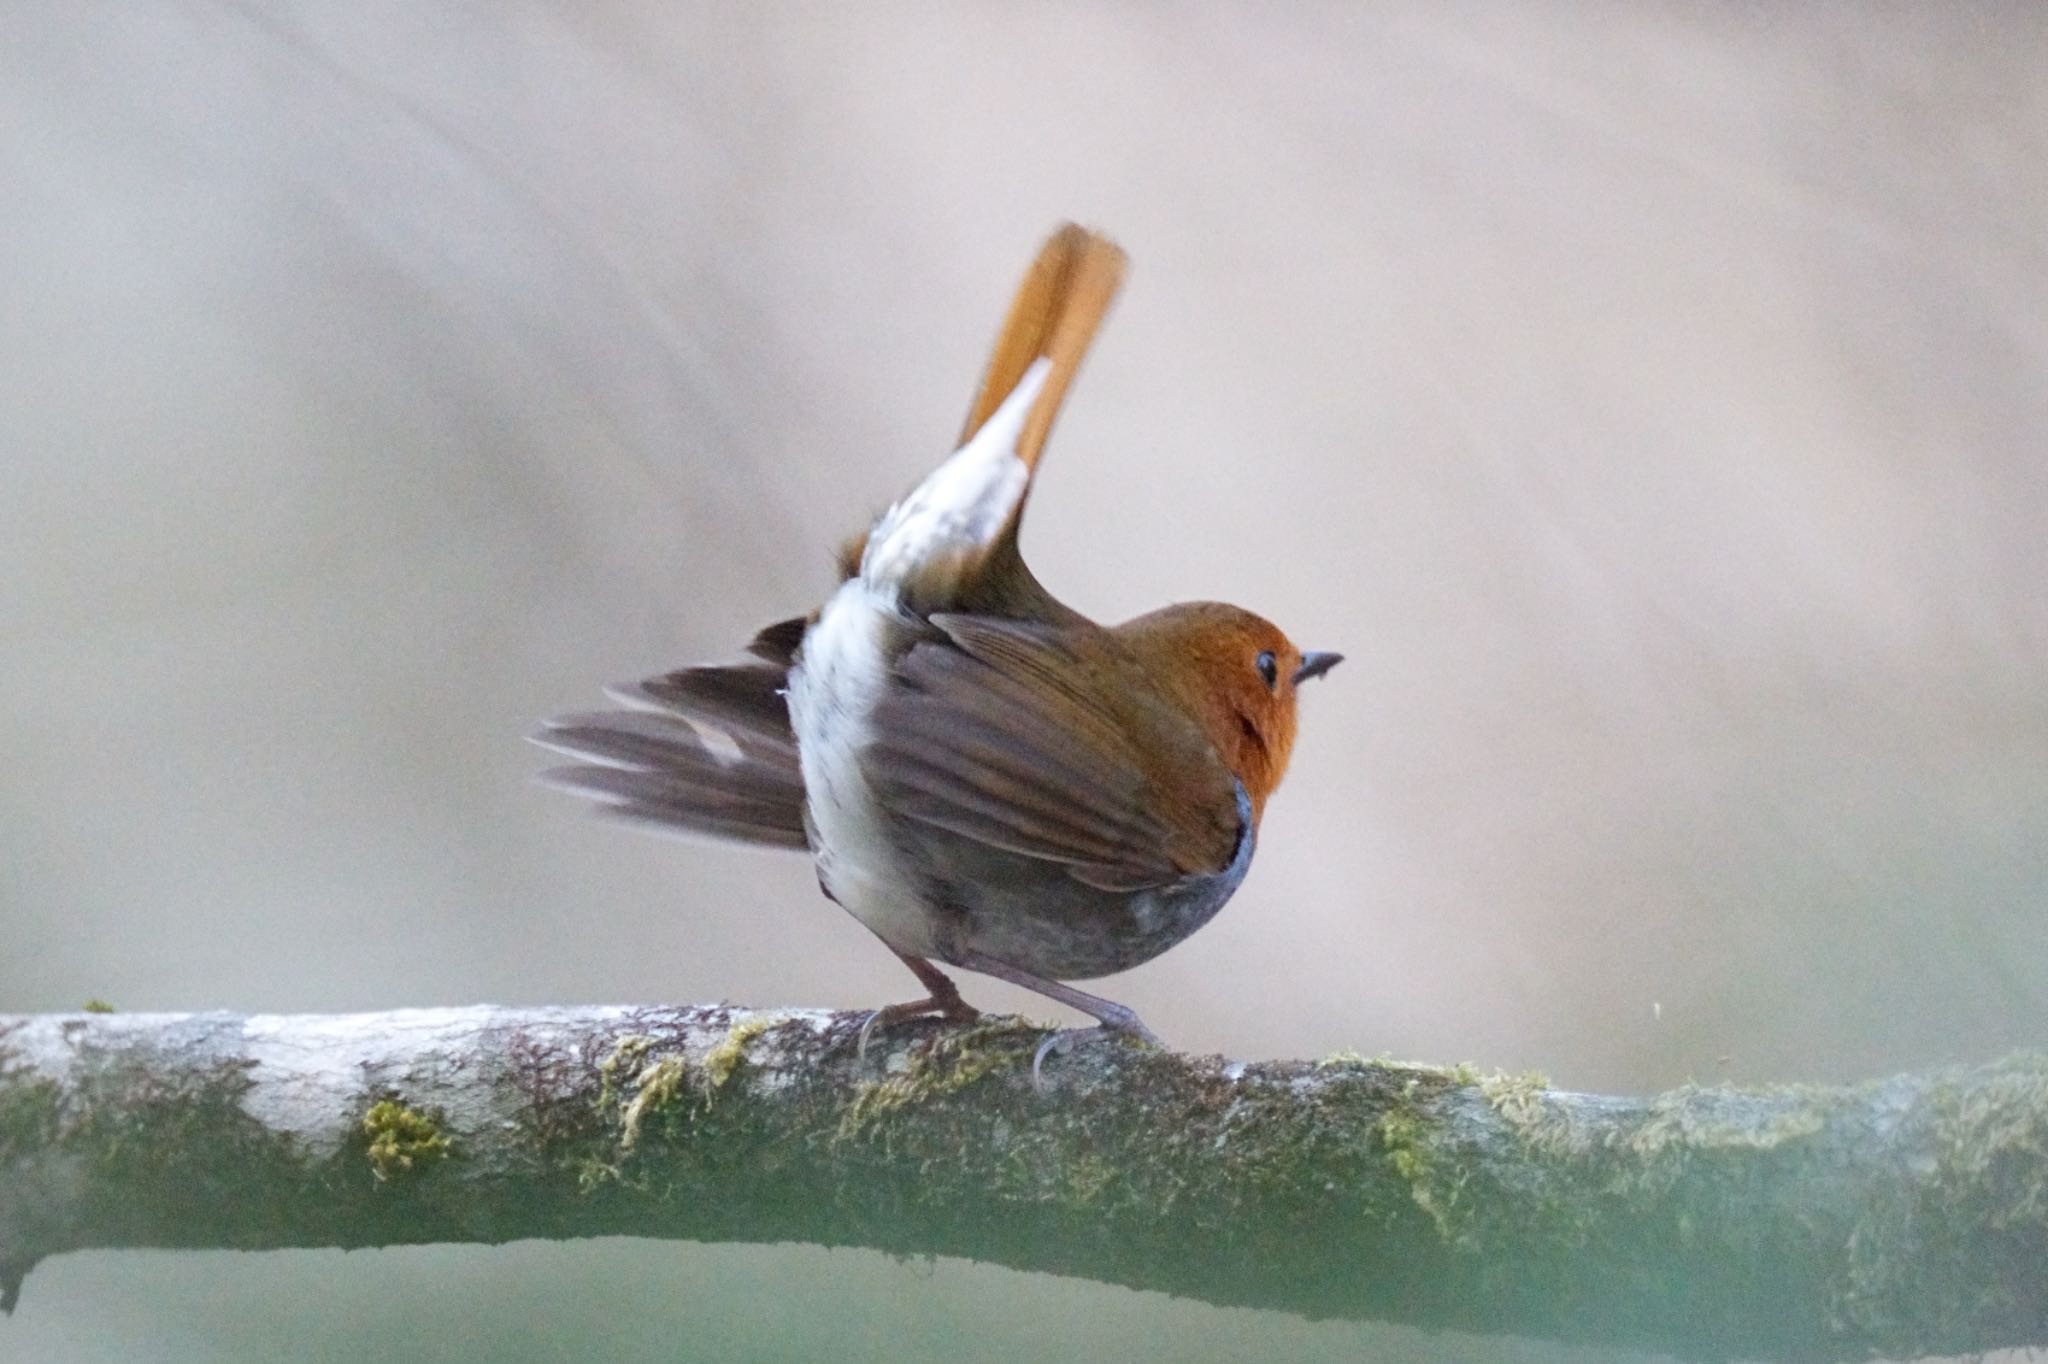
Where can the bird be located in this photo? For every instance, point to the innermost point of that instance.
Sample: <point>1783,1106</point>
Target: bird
<point>984,777</point>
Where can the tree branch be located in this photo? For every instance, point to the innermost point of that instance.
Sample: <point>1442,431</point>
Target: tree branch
<point>1903,1217</point>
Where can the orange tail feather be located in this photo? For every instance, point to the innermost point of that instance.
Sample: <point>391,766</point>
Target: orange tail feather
<point>1058,307</point>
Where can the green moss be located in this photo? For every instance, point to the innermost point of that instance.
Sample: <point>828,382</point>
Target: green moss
<point>1689,1123</point>
<point>1464,1073</point>
<point>158,1122</point>
<point>1519,1100</point>
<point>645,1098</point>
<point>656,1091</point>
<point>163,1146</point>
<point>1408,1136</point>
<point>622,1062</point>
<point>1991,1143</point>
<point>593,1173</point>
<point>725,1058</point>
<point>951,1061</point>
<point>97,1006</point>
<point>1401,1137</point>
<point>1967,1239</point>
<point>402,1140</point>
<point>1086,1181</point>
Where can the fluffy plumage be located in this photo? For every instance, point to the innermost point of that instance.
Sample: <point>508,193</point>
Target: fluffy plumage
<point>983,776</point>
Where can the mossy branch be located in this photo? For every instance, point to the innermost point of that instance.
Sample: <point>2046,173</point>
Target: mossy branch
<point>1902,1217</point>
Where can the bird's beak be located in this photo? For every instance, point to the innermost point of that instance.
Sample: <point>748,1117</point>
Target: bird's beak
<point>1315,665</point>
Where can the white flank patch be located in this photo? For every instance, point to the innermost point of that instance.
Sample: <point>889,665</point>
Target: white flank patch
<point>841,672</point>
<point>833,689</point>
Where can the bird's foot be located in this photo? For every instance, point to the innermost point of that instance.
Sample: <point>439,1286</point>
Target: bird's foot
<point>1119,1022</point>
<point>954,1010</point>
<point>1112,1019</point>
<point>943,1001</point>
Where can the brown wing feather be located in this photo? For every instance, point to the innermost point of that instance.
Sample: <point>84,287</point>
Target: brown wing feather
<point>1003,732</point>
<point>708,750</point>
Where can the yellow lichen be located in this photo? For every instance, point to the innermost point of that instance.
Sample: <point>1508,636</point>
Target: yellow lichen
<point>1518,1098</point>
<point>626,1055</point>
<point>1547,1128</point>
<point>656,1088</point>
<point>628,1050</point>
<point>401,1139</point>
<point>1463,1073</point>
<point>950,1062</point>
<point>725,1058</point>
<point>656,1084</point>
<point>1404,1136</point>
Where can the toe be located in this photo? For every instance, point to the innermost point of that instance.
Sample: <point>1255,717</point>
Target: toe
<point>1064,1041</point>
<point>1060,1043</point>
<point>867,1030</point>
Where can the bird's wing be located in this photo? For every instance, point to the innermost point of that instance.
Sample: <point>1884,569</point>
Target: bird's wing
<point>1003,732</point>
<point>705,750</point>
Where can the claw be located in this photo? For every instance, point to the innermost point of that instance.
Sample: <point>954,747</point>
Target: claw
<point>1115,1019</point>
<point>943,1000</point>
<point>1064,1041</point>
<point>953,1010</point>
<point>867,1030</point>
<point>1061,1041</point>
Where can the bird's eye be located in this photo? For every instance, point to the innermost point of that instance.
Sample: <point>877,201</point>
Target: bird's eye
<point>1269,669</point>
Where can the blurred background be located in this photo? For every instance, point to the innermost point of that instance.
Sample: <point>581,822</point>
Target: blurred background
<point>1646,398</point>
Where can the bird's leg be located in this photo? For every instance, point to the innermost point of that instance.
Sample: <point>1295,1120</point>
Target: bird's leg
<point>943,999</point>
<point>1114,1019</point>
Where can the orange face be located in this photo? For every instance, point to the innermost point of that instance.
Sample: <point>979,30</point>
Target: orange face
<point>1239,674</point>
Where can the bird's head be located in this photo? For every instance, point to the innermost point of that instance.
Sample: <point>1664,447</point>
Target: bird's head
<point>1238,674</point>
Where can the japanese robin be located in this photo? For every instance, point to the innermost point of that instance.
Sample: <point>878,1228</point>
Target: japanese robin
<point>983,776</point>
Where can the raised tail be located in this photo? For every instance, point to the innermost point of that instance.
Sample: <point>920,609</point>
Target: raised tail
<point>703,750</point>
<point>952,543</point>
<point>710,750</point>
<point>1058,308</point>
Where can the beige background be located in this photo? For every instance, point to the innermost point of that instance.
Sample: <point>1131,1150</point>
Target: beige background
<point>1647,398</point>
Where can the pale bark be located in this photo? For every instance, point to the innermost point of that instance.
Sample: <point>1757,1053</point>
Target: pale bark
<point>1903,1217</point>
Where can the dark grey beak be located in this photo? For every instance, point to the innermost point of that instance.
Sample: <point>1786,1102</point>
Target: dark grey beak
<point>1315,665</point>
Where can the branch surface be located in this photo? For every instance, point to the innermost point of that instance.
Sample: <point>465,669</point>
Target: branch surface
<point>1905,1217</point>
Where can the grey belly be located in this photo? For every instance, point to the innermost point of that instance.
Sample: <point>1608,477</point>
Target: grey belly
<point>1031,914</point>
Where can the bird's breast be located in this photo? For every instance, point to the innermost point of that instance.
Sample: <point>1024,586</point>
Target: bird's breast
<point>1032,914</point>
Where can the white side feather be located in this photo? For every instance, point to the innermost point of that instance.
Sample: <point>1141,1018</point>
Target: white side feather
<point>842,669</point>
